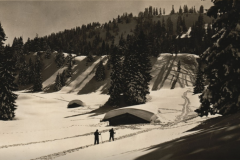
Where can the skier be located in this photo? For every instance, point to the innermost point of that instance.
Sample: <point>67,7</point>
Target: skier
<point>111,134</point>
<point>96,135</point>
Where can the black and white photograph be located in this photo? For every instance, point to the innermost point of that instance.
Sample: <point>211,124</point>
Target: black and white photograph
<point>120,80</point>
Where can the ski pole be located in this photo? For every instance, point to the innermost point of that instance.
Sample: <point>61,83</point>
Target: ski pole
<point>101,138</point>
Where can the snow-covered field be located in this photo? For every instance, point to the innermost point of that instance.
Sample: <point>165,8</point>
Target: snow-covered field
<point>44,128</point>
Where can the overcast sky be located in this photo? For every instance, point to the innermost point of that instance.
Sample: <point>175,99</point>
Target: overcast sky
<point>28,18</point>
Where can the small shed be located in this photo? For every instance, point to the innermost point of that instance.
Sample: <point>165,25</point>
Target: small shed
<point>129,115</point>
<point>75,103</point>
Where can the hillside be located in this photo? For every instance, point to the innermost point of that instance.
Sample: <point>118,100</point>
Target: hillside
<point>127,28</point>
<point>164,73</point>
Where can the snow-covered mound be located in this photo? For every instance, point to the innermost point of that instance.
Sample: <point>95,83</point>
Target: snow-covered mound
<point>129,115</point>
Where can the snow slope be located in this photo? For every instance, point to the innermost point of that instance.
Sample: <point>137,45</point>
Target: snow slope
<point>44,128</point>
<point>164,73</point>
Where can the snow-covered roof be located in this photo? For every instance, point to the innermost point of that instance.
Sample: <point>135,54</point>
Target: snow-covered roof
<point>145,114</point>
<point>75,102</point>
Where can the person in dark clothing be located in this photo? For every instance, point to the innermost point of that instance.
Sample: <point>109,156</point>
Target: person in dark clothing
<point>96,135</point>
<point>111,134</point>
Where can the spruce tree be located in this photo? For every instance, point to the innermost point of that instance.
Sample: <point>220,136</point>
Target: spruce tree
<point>172,11</point>
<point>69,69</point>
<point>180,10</point>
<point>201,10</point>
<point>199,83</point>
<point>60,60</point>
<point>222,61</point>
<point>30,71</point>
<point>89,58</point>
<point>133,78</point>
<point>116,88</point>
<point>37,85</point>
<point>7,70</point>
<point>23,74</point>
<point>63,78</point>
<point>48,52</point>
<point>100,72</point>
<point>137,71</point>
<point>57,85</point>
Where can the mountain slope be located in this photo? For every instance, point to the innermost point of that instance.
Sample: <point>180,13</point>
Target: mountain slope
<point>164,73</point>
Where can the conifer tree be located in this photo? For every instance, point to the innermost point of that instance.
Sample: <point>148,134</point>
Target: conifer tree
<point>7,70</point>
<point>222,61</point>
<point>69,69</point>
<point>137,71</point>
<point>23,74</point>
<point>180,10</point>
<point>172,11</point>
<point>37,85</point>
<point>179,27</point>
<point>199,84</point>
<point>100,72</point>
<point>201,10</point>
<point>185,9</point>
<point>89,58</point>
<point>116,88</point>
<point>30,71</point>
<point>57,85</point>
<point>63,78</point>
<point>48,52</point>
<point>184,27</point>
<point>60,60</point>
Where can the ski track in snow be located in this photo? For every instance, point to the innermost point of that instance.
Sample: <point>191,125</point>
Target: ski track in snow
<point>63,153</point>
<point>186,109</point>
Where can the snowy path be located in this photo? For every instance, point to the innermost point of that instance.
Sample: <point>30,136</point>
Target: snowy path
<point>186,109</point>
<point>124,136</point>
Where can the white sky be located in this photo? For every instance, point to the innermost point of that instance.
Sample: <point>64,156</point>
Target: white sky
<point>28,18</point>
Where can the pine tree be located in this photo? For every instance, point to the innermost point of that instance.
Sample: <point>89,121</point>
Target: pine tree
<point>7,70</point>
<point>169,26</point>
<point>185,9</point>
<point>57,85</point>
<point>116,88</point>
<point>48,52</point>
<point>179,27</point>
<point>172,11</point>
<point>137,69</point>
<point>160,11</point>
<point>89,58</point>
<point>63,78</point>
<point>30,71</point>
<point>133,78</point>
<point>180,10</point>
<point>100,72</point>
<point>199,84</point>
<point>69,69</point>
<point>184,27</point>
<point>222,61</point>
<point>37,85</point>
<point>201,10</point>
<point>23,74</point>
<point>60,60</point>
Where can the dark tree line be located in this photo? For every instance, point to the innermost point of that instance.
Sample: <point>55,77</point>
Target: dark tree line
<point>222,61</point>
<point>7,85</point>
